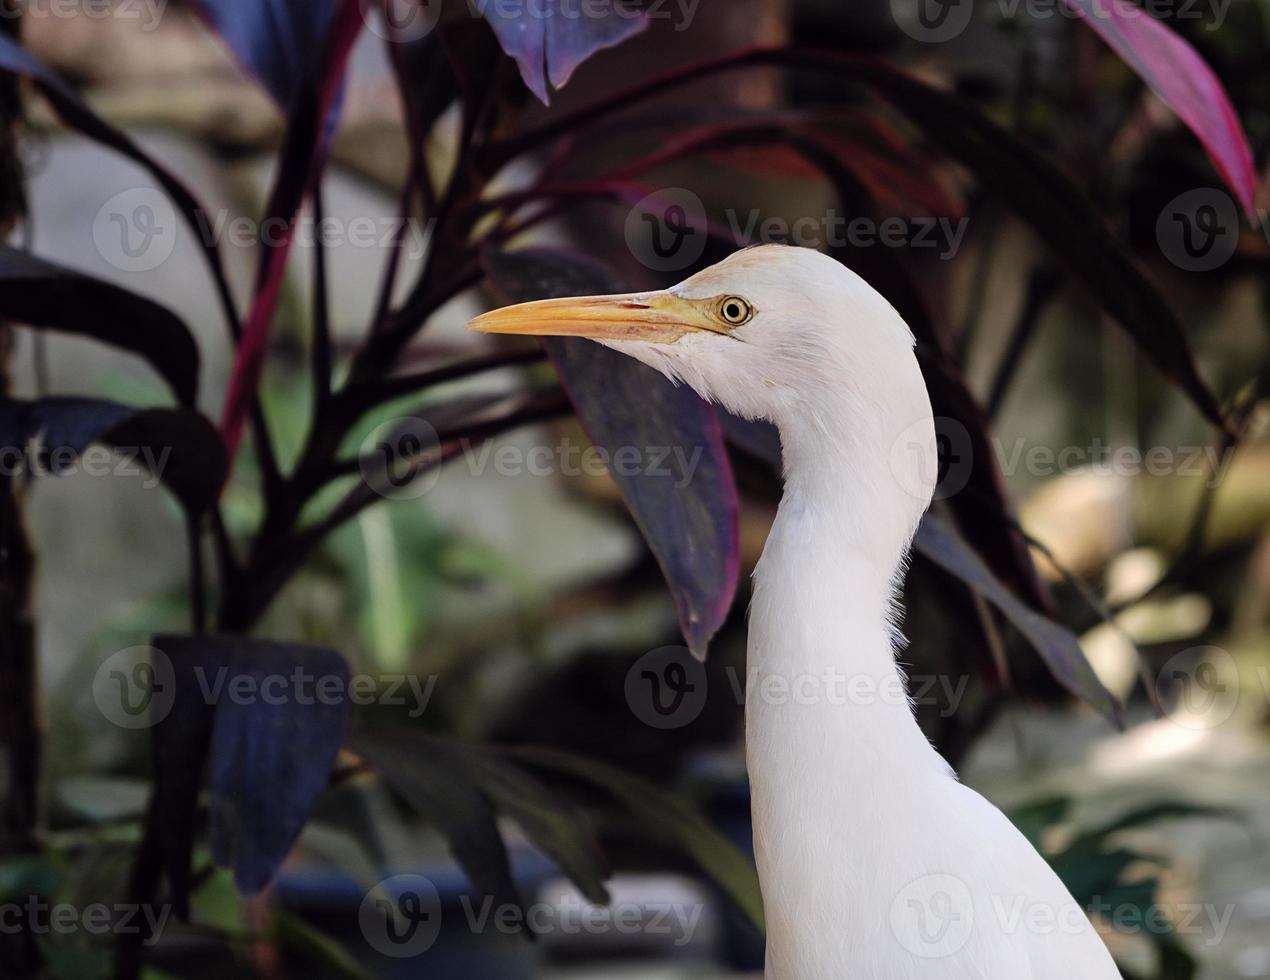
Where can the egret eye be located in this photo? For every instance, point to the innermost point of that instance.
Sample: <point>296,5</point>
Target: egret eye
<point>735,311</point>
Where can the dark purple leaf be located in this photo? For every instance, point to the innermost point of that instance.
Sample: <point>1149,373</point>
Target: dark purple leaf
<point>277,41</point>
<point>39,293</point>
<point>179,446</point>
<point>549,39</point>
<point>1057,646</point>
<point>304,148</point>
<point>277,719</point>
<point>74,113</point>
<point>687,515</point>
<point>1182,79</point>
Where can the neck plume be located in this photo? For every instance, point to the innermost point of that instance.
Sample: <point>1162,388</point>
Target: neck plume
<point>830,735</point>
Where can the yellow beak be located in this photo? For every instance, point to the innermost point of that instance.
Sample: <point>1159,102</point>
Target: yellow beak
<point>656,317</point>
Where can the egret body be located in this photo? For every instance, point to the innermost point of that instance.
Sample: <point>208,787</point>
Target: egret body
<point>875,862</point>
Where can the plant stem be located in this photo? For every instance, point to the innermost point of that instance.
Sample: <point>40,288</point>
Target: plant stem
<point>198,586</point>
<point>1041,287</point>
<point>321,365</point>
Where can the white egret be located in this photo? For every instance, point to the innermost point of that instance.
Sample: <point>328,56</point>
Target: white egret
<point>875,862</point>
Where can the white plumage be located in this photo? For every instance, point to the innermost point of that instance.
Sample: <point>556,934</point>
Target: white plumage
<point>875,862</point>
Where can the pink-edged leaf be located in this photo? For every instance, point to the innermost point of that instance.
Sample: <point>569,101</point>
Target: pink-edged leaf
<point>1182,79</point>
<point>680,489</point>
<point>549,39</point>
<point>274,40</point>
<point>303,155</point>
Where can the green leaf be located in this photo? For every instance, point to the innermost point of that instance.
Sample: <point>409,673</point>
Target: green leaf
<point>294,933</point>
<point>440,789</point>
<point>1035,817</point>
<point>667,815</point>
<point>545,818</point>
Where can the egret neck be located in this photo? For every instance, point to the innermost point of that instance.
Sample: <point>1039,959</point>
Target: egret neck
<point>835,756</point>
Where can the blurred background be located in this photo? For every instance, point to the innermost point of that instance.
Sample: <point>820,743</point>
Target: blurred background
<point>509,599</point>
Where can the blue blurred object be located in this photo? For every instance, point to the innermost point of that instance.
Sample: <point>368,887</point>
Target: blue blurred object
<point>331,901</point>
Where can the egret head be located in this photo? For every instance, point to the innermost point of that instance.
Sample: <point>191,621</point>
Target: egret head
<point>773,332</point>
